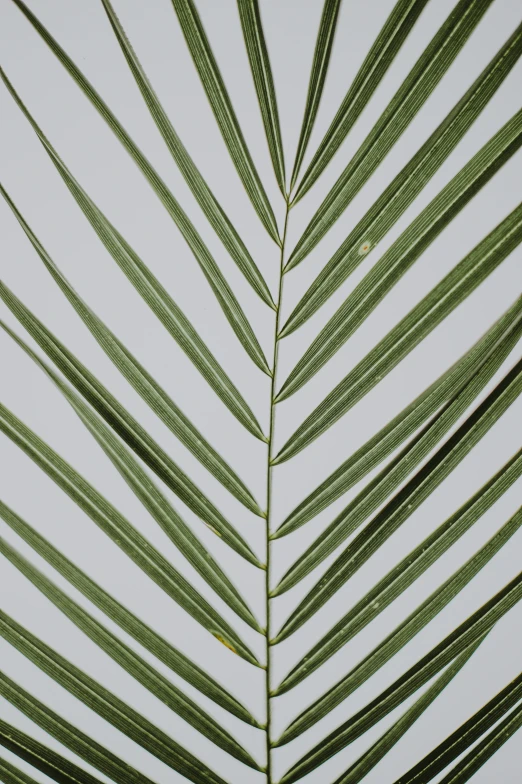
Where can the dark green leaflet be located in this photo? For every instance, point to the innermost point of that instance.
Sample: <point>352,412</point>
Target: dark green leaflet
<point>381,747</point>
<point>409,498</point>
<point>136,375</point>
<point>166,310</point>
<point>378,60</point>
<point>405,573</point>
<point>405,423</point>
<point>409,183</point>
<point>226,119</point>
<point>409,99</point>
<point>110,707</point>
<point>9,774</point>
<point>434,762</point>
<point>120,531</point>
<point>86,748</point>
<point>388,271</point>
<point>128,428</point>
<point>386,355</point>
<point>146,636</point>
<point>143,280</point>
<point>321,61</point>
<point>201,191</point>
<point>453,645</point>
<point>54,765</point>
<point>257,51</point>
<point>467,767</point>
<point>405,632</point>
<point>379,489</point>
<point>205,198</point>
<point>154,501</point>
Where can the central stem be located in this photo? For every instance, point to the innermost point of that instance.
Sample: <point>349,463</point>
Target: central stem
<point>269,501</point>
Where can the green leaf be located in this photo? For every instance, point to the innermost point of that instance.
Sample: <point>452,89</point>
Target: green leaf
<point>407,102</point>
<point>381,747</point>
<point>469,732</point>
<point>214,86</point>
<point>128,428</point>
<point>393,475</point>
<point>375,65</point>
<point>449,293</point>
<point>405,632</point>
<point>154,501</point>
<point>383,443</point>
<point>257,51</point>
<point>405,573</point>
<point>410,181</point>
<point>111,708</point>
<point>408,499</point>
<point>127,364</point>
<point>409,332</point>
<point>202,193</point>
<point>467,767</point>
<point>54,765</point>
<point>323,50</point>
<point>111,522</point>
<point>88,749</point>
<point>151,641</point>
<point>143,280</point>
<point>11,775</point>
<point>453,645</point>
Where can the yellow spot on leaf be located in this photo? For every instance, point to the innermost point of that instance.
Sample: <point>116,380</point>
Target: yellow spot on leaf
<point>364,248</point>
<point>214,530</point>
<point>225,643</point>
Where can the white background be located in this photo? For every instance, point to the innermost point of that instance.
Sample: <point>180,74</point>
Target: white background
<point>109,176</point>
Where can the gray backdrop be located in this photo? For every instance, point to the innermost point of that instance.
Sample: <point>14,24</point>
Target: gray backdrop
<point>115,184</point>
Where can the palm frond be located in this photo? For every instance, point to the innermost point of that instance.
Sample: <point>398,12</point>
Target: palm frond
<point>217,94</point>
<point>458,641</point>
<point>399,463</point>
<point>126,620</point>
<point>321,61</point>
<point>378,60</point>
<point>468,733</point>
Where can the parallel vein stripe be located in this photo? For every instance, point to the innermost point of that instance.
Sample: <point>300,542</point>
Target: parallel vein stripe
<point>60,768</point>
<point>124,535</point>
<point>178,758</point>
<point>257,51</point>
<point>382,444</point>
<point>205,198</point>
<point>134,372</point>
<point>406,631</point>
<point>360,769</point>
<point>128,428</point>
<point>160,302</point>
<point>386,355</point>
<point>321,61</point>
<point>439,657</point>
<point>150,496</point>
<point>399,508</point>
<point>447,751</point>
<point>130,623</point>
<point>409,183</point>
<point>84,687</point>
<point>110,236</point>
<point>411,96</point>
<point>214,86</point>
<point>10,774</point>
<point>376,63</point>
<point>402,255</point>
<point>404,574</point>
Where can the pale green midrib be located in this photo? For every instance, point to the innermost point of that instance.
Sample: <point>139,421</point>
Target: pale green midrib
<point>269,497</point>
